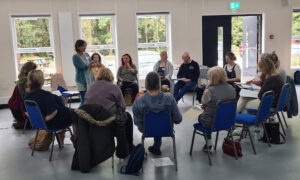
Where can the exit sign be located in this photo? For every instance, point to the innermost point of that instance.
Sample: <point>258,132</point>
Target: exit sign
<point>234,5</point>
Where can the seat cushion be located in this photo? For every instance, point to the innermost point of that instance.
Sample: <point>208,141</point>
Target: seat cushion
<point>245,118</point>
<point>199,127</point>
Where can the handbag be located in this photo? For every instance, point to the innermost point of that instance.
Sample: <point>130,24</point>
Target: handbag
<point>274,133</point>
<point>228,147</point>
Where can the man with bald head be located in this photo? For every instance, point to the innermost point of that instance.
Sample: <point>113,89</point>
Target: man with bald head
<point>188,75</point>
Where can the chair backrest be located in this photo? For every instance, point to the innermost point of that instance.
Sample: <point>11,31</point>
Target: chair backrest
<point>282,98</point>
<point>61,89</point>
<point>157,124</point>
<point>224,117</point>
<point>265,106</point>
<point>34,114</point>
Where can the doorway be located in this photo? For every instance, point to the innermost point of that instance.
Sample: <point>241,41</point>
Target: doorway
<point>240,34</point>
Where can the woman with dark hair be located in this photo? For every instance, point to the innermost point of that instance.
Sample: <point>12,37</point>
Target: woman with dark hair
<point>127,76</point>
<point>97,65</point>
<point>233,70</point>
<point>22,77</point>
<point>83,65</point>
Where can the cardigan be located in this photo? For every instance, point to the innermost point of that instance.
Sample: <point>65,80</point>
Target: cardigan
<point>80,67</point>
<point>168,69</point>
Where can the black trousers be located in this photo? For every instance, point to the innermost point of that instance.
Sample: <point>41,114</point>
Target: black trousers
<point>129,85</point>
<point>166,82</point>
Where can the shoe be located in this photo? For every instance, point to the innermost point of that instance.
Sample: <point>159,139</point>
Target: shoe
<point>17,126</point>
<point>131,147</point>
<point>154,150</point>
<point>204,149</point>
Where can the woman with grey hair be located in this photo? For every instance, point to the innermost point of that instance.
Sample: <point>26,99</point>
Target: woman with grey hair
<point>154,100</point>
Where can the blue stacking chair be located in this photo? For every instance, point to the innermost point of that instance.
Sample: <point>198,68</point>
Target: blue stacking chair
<point>224,119</point>
<point>261,116</point>
<point>37,121</point>
<point>68,95</point>
<point>159,124</point>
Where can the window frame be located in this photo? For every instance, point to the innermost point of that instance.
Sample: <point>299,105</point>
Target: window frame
<point>296,10</point>
<point>166,44</point>
<point>114,34</point>
<point>17,50</point>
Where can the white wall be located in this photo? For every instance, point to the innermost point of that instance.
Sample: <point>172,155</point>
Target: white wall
<point>185,26</point>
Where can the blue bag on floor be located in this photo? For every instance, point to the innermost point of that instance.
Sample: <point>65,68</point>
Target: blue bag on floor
<point>135,161</point>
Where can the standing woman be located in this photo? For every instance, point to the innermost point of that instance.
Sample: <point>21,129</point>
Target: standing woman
<point>164,68</point>
<point>232,69</point>
<point>83,65</point>
<point>127,76</point>
<point>97,65</point>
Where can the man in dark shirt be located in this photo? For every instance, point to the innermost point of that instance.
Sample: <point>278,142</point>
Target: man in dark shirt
<point>188,75</point>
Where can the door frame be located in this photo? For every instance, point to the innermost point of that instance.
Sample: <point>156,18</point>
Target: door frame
<point>262,29</point>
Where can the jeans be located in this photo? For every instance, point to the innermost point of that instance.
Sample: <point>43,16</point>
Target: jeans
<point>157,142</point>
<point>181,87</point>
<point>82,94</point>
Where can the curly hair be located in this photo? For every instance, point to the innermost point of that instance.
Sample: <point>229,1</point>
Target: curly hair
<point>26,68</point>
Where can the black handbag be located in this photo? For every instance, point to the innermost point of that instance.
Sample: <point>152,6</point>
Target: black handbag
<point>274,133</point>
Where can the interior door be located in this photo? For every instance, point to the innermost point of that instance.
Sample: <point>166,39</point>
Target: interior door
<point>216,39</point>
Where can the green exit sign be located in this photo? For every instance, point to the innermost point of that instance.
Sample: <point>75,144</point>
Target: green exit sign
<point>234,5</point>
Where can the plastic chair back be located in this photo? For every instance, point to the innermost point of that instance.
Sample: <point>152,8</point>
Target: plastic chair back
<point>61,89</point>
<point>265,106</point>
<point>35,116</point>
<point>282,98</point>
<point>157,124</point>
<point>224,115</point>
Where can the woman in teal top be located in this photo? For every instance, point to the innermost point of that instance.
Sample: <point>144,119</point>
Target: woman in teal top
<point>83,65</point>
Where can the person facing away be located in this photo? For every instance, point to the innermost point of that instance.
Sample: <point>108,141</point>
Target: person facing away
<point>273,56</point>
<point>155,101</point>
<point>52,107</point>
<point>233,70</point>
<point>273,81</point>
<point>164,68</point>
<point>82,62</point>
<point>127,76</point>
<point>188,75</point>
<point>217,89</point>
<point>97,64</point>
<point>109,95</point>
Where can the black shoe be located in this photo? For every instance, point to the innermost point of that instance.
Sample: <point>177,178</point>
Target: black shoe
<point>154,150</point>
<point>17,126</point>
<point>131,147</point>
<point>204,149</point>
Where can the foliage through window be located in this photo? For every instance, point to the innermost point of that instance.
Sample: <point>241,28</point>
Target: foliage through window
<point>295,43</point>
<point>153,37</point>
<point>98,32</point>
<point>33,41</point>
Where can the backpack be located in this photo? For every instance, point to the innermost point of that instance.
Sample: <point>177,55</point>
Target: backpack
<point>43,140</point>
<point>200,91</point>
<point>135,161</point>
<point>274,133</point>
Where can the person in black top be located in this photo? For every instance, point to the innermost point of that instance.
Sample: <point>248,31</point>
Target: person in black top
<point>55,113</point>
<point>188,75</point>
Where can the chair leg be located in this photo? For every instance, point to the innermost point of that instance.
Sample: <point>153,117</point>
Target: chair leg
<point>112,162</point>
<point>194,96</point>
<point>266,132</point>
<point>37,132</point>
<point>217,136</point>
<point>284,119</point>
<point>26,121</point>
<point>233,144</point>
<point>251,140</point>
<point>175,153</point>
<point>280,122</point>
<point>208,153</point>
<point>69,129</point>
<point>192,144</point>
<point>70,102</point>
<point>143,139</point>
<point>50,158</point>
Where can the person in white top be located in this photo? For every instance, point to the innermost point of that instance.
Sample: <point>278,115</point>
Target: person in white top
<point>233,70</point>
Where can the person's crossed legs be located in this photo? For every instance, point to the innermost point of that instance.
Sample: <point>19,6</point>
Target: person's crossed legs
<point>181,87</point>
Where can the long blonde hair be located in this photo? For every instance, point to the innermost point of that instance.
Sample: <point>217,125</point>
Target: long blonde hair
<point>266,65</point>
<point>217,75</point>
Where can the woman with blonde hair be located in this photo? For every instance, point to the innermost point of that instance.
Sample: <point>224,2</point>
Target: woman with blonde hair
<point>273,81</point>
<point>104,92</point>
<point>217,89</point>
<point>53,109</point>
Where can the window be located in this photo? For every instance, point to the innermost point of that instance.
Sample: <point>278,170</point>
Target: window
<point>153,37</point>
<point>295,47</point>
<point>33,41</point>
<point>99,33</point>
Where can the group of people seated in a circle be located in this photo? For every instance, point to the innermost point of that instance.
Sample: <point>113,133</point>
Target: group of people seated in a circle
<point>96,86</point>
